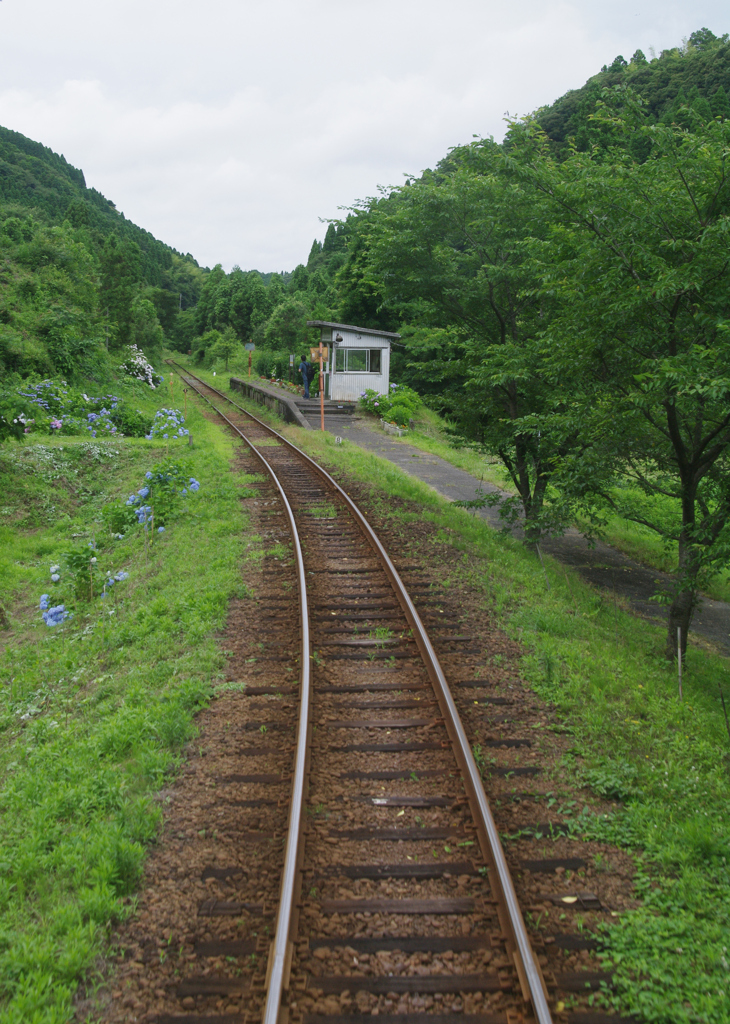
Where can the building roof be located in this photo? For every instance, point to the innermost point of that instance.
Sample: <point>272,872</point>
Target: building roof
<point>349,327</point>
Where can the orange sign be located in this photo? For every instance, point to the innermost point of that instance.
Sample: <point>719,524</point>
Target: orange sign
<point>325,353</point>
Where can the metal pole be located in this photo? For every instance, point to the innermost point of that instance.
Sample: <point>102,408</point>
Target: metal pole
<point>321,384</point>
<point>679,659</point>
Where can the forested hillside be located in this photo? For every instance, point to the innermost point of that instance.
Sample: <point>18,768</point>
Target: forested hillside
<point>697,75</point>
<point>76,277</point>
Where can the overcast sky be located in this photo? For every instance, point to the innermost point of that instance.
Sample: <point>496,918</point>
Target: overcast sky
<point>228,128</point>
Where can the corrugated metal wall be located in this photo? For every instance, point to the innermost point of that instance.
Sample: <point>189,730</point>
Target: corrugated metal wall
<point>348,387</point>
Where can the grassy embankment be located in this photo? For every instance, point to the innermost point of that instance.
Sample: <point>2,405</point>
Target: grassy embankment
<point>633,539</point>
<point>666,762</point>
<point>95,713</point>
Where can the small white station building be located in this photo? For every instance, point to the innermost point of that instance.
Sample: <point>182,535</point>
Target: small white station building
<point>359,359</point>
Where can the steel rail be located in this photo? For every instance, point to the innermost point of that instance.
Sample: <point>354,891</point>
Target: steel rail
<point>511,919</point>
<point>279,963</point>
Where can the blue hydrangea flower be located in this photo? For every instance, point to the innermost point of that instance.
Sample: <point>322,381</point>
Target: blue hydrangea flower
<point>55,577</point>
<point>55,616</point>
<point>148,475</point>
<point>44,602</point>
<point>194,484</point>
<point>160,529</point>
<point>143,492</point>
<point>121,575</point>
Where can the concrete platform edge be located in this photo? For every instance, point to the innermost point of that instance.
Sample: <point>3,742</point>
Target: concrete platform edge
<point>279,404</point>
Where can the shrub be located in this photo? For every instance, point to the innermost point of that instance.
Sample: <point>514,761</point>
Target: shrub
<point>400,400</point>
<point>131,422</point>
<point>136,365</point>
<point>167,425</point>
<point>399,414</point>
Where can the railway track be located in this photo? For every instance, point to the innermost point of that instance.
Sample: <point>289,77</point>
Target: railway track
<point>381,887</point>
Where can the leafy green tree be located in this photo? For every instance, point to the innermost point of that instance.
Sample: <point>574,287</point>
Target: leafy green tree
<point>450,251</point>
<point>287,325</point>
<point>206,346</point>
<point>227,345</point>
<point>638,259</point>
<point>146,331</point>
<point>121,270</point>
<point>703,39</point>
<point>167,307</point>
<point>719,104</point>
<point>299,281</point>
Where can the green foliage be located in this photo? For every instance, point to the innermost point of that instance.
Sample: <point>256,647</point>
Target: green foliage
<point>702,67</point>
<point>398,406</point>
<point>14,412</point>
<point>81,567</point>
<point>95,713</point>
<point>399,414</point>
<point>130,421</point>
<point>117,519</point>
<point>227,346</point>
<point>146,331</point>
<point>168,483</point>
<point>75,270</point>
<point>642,330</point>
<point>286,327</point>
<point>274,364</point>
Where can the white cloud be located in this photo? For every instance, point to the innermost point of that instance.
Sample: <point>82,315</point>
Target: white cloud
<point>228,129</point>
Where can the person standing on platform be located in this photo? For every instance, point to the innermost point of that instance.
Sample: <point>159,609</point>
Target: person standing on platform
<point>304,369</point>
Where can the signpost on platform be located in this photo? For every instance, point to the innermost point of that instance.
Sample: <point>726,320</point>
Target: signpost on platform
<point>321,353</point>
<point>250,347</point>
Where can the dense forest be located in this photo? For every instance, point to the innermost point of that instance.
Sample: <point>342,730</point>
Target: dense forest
<point>77,279</point>
<point>563,297</point>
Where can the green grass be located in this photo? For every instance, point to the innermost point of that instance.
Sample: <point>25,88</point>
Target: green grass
<point>94,714</point>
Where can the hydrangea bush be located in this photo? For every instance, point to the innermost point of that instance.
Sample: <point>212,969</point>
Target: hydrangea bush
<point>398,406</point>
<point>161,497</point>
<point>78,578</point>
<point>56,408</point>
<point>168,426</point>
<point>136,365</point>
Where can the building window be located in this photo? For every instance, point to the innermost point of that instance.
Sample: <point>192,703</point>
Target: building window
<point>358,360</point>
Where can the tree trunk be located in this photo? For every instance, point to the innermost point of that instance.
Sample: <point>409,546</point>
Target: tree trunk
<point>680,617</point>
<point>682,607</point>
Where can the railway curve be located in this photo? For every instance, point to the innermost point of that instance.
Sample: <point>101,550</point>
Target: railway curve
<point>398,654</point>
